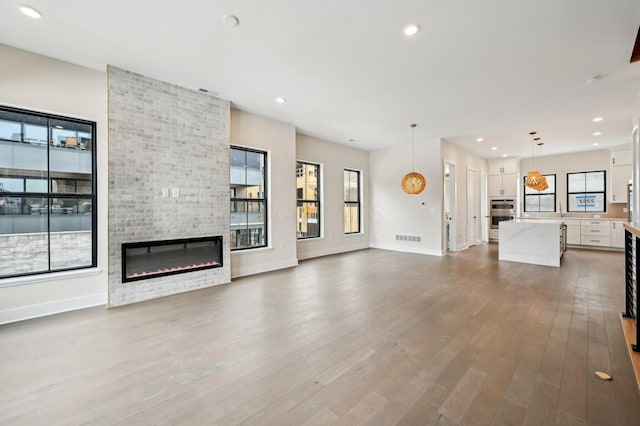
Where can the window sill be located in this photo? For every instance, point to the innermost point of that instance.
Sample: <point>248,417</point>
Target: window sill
<point>303,240</point>
<point>251,251</point>
<point>354,234</point>
<point>53,276</point>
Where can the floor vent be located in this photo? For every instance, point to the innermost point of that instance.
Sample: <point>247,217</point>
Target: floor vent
<point>409,238</point>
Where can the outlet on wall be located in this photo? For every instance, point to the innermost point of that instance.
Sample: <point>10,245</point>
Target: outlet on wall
<point>175,192</point>
<point>165,192</point>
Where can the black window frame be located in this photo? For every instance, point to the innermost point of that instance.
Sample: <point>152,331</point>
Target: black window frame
<point>603,192</point>
<point>50,176</point>
<point>351,202</point>
<point>264,199</point>
<point>555,195</point>
<point>317,200</point>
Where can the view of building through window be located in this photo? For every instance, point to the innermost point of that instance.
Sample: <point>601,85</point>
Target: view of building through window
<point>541,201</point>
<point>308,207</point>
<point>248,198</point>
<point>351,201</point>
<point>47,193</point>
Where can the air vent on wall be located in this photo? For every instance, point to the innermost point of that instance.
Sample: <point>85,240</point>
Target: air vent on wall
<point>409,238</point>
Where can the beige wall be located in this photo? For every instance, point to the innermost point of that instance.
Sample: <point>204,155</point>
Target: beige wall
<point>279,141</point>
<point>394,212</point>
<point>333,159</point>
<point>39,83</point>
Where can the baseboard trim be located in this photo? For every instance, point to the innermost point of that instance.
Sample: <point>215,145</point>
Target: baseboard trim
<point>405,249</point>
<point>264,267</point>
<point>50,308</point>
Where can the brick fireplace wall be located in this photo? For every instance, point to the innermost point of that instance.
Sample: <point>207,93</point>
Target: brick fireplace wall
<point>165,137</point>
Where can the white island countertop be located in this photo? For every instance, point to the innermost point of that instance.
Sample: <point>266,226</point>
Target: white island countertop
<point>538,242</point>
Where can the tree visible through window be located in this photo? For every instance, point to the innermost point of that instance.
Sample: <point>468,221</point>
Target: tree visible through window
<point>248,198</point>
<point>351,201</point>
<point>308,200</point>
<point>47,193</point>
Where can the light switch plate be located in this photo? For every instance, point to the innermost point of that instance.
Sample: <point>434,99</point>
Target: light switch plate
<point>165,192</point>
<point>175,192</point>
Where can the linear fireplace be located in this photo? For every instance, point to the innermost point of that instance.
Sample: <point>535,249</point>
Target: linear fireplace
<point>151,259</point>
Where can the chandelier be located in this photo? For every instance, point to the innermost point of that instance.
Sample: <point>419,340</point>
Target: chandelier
<point>535,180</point>
<point>413,182</point>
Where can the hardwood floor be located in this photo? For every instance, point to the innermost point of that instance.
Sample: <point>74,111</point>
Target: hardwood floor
<point>369,337</point>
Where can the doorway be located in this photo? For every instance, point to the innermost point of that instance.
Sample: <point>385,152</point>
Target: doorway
<point>472,215</point>
<point>449,206</point>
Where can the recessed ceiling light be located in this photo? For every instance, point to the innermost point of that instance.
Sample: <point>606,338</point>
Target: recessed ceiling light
<point>504,155</point>
<point>597,119</point>
<point>494,148</point>
<point>532,133</point>
<point>280,100</point>
<point>411,29</point>
<point>479,140</point>
<point>597,133</point>
<point>230,20</point>
<point>595,144</point>
<point>57,126</point>
<point>31,12</point>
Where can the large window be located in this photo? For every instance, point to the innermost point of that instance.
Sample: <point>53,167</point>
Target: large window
<point>541,201</point>
<point>248,198</point>
<point>586,192</point>
<point>308,209</point>
<point>351,201</point>
<point>47,193</point>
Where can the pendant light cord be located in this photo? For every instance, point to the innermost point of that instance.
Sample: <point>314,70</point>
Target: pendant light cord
<point>413,147</point>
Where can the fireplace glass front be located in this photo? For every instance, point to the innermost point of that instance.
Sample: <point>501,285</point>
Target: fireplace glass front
<point>151,259</point>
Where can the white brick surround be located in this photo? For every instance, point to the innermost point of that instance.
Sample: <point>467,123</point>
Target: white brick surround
<point>162,136</point>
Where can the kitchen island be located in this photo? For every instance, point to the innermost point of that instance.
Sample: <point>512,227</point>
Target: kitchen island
<point>539,242</point>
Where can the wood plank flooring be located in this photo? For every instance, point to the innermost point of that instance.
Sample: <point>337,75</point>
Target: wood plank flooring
<point>368,337</point>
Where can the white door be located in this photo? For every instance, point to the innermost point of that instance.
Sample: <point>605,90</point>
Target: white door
<point>472,216</point>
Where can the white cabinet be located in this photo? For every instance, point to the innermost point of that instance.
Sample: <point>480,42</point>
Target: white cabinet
<point>620,158</point>
<point>619,175</point>
<point>502,179</point>
<point>617,233</point>
<point>595,233</point>
<point>573,231</point>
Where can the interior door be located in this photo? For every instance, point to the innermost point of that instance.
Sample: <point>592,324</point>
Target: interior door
<point>472,215</point>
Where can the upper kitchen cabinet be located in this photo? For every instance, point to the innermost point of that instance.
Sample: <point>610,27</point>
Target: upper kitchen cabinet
<point>620,173</point>
<point>620,158</point>
<point>502,179</point>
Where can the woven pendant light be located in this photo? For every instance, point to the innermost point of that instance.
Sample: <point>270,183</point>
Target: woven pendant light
<point>535,180</point>
<point>413,183</point>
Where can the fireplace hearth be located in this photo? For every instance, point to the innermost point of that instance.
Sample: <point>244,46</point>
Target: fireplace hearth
<point>152,259</point>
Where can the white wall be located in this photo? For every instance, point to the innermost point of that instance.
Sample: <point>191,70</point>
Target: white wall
<point>39,83</point>
<point>334,159</point>
<point>395,212</point>
<point>464,160</point>
<point>279,140</point>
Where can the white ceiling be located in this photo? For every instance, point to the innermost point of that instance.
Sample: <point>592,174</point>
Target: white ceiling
<point>495,69</point>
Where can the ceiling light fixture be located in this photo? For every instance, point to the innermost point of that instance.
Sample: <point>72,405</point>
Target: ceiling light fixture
<point>595,144</point>
<point>280,100</point>
<point>535,180</point>
<point>411,30</point>
<point>597,133</point>
<point>31,12</point>
<point>57,126</point>
<point>413,183</point>
<point>504,155</point>
<point>494,148</point>
<point>230,20</point>
<point>597,119</point>
<point>479,140</point>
